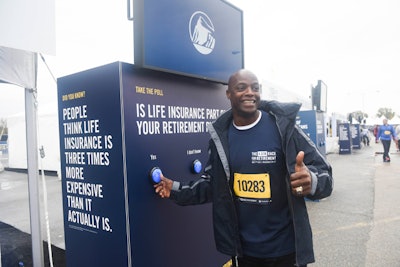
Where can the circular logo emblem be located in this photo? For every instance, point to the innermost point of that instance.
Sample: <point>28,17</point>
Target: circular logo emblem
<point>201,30</point>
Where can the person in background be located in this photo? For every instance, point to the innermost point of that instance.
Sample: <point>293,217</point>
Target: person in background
<point>261,167</point>
<point>376,130</point>
<point>398,134</point>
<point>386,133</point>
<point>365,136</point>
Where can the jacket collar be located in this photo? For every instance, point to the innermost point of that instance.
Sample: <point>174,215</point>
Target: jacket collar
<point>279,109</point>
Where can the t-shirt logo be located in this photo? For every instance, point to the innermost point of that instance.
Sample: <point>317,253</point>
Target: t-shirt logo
<point>262,157</point>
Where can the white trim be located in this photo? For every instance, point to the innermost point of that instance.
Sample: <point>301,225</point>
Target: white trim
<point>246,127</point>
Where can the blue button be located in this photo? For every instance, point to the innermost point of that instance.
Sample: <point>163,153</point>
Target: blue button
<point>197,166</point>
<point>155,175</point>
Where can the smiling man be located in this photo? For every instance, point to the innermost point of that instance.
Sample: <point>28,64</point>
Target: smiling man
<point>260,168</point>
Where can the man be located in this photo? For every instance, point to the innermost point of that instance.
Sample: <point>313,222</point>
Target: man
<point>365,136</point>
<point>260,168</point>
<point>386,133</point>
<point>398,133</point>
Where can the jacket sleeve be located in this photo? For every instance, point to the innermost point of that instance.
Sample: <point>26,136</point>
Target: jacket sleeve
<point>321,170</point>
<point>193,192</point>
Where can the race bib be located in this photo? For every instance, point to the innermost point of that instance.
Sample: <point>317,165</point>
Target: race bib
<point>254,187</point>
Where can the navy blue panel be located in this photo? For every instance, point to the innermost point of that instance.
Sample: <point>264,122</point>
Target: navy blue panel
<point>345,139</point>
<point>196,38</point>
<point>355,136</point>
<point>172,235</point>
<point>92,98</point>
<point>312,123</point>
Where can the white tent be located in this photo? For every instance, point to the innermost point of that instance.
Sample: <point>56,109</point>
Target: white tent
<point>27,27</point>
<point>373,121</point>
<point>379,121</point>
<point>47,131</point>
<point>20,68</point>
<point>395,121</point>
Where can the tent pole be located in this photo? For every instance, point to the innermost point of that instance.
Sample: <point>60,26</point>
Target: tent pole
<point>33,174</point>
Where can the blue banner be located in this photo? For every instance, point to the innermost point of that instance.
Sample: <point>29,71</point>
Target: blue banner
<point>93,179</point>
<point>345,140</point>
<point>312,123</point>
<point>355,136</point>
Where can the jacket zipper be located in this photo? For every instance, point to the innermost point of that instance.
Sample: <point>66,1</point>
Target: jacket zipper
<point>287,179</point>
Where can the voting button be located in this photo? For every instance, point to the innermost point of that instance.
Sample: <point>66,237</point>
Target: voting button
<point>196,166</point>
<point>155,175</point>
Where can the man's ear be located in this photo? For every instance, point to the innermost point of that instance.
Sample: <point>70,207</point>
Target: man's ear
<point>228,94</point>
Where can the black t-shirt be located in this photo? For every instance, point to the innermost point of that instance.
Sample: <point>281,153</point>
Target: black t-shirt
<point>259,168</point>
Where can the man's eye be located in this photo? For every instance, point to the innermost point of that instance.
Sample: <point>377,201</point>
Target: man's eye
<point>241,87</point>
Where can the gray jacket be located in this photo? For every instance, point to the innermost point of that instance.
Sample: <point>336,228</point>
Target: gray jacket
<point>215,184</point>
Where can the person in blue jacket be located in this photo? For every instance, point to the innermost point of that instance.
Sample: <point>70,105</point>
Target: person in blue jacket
<point>261,166</point>
<point>385,134</point>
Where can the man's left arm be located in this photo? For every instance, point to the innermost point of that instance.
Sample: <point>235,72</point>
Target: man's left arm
<point>319,169</point>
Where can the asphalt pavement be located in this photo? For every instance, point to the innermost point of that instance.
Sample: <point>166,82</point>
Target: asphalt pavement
<point>358,225</point>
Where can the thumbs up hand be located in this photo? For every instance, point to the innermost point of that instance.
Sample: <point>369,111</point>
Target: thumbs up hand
<point>300,180</point>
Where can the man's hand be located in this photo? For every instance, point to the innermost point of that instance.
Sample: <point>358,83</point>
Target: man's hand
<point>163,188</point>
<point>300,180</point>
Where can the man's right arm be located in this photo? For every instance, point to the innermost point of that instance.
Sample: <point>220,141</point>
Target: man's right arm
<point>192,193</point>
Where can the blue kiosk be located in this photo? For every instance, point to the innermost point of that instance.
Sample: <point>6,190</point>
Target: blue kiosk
<point>355,136</point>
<point>117,123</point>
<point>345,138</point>
<point>312,123</point>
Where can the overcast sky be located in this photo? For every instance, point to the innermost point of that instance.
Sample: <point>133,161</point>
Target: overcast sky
<point>352,45</point>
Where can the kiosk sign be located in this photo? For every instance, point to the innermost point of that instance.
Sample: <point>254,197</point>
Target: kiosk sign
<point>93,181</point>
<point>312,123</point>
<point>345,139</point>
<point>355,136</point>
<point>117,123</point>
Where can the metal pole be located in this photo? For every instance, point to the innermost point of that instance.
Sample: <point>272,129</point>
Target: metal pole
<point>33,177</point>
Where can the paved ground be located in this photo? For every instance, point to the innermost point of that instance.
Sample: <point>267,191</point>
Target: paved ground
<point>14,220</point>
<point>359,225</point>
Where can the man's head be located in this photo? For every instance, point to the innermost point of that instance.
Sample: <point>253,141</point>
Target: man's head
<point>385,121</point>
<point>244,93</point>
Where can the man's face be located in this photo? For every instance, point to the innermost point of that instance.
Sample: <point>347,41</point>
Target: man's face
<point>244,94</point>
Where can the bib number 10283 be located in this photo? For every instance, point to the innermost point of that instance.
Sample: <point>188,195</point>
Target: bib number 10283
<point>252,185</point>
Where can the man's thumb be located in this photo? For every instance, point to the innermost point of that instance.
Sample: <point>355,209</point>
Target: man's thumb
<point>299,161</point>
